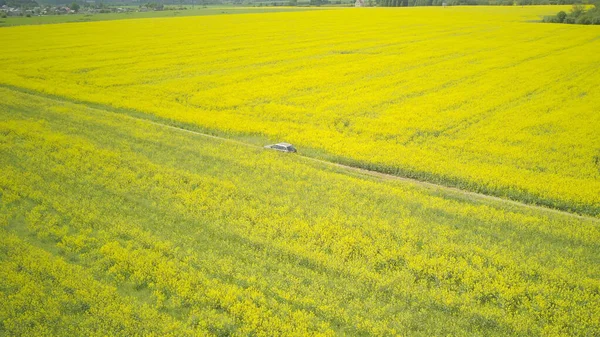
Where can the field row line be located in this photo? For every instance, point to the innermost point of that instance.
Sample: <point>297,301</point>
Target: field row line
<point>384,176</point>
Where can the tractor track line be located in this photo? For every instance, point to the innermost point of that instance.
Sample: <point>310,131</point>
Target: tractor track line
<point>384,176</point>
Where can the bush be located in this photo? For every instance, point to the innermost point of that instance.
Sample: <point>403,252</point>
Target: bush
<point>583,20</point>
<point>578,15</point>
<point>577,10</point>
<point>558,18</point>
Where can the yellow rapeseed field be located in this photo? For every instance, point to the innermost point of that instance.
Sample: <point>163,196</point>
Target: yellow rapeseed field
<point>481,98</point>
<point>114,226</point>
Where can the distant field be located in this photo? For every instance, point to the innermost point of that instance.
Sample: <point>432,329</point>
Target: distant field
<point>197,11</point>
<point>111,225</point>
<point>482,98</point>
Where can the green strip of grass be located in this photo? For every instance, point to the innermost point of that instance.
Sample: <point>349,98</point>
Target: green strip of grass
<point>198,11</point>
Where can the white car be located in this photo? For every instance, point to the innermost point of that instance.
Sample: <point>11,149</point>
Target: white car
<point>283,147</point>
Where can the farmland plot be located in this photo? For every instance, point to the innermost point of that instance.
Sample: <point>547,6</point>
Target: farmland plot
<point>480,98</point>
<point>111,225</point>
<point>114,223</point>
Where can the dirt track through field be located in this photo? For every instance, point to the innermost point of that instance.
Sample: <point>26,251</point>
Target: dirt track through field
<point>470,194</point>
<point>431,186</point>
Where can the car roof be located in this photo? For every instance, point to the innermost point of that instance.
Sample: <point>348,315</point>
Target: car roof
<point>284,144</point>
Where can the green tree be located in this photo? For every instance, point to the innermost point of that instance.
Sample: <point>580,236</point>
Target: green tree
<point>577,10</point>
<point>75,6</point>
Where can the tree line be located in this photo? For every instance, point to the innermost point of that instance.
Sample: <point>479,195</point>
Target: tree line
<point>579,14</point>
<point>407,3</point>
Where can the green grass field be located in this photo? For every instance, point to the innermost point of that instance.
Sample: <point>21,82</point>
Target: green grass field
<point>197,11</point>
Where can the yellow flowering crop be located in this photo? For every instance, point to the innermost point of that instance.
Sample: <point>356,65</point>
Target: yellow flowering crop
<point>115,226</point>
<point>482,98</point>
